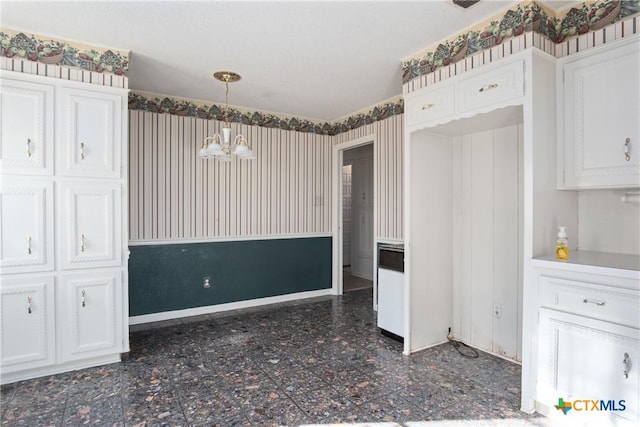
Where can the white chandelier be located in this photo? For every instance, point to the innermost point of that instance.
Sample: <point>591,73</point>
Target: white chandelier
<point>221,147</point>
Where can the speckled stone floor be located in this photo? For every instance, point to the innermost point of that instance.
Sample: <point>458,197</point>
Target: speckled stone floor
<point>320,361</point>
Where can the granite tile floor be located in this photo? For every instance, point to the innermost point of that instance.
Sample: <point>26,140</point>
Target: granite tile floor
<point>312,362</point>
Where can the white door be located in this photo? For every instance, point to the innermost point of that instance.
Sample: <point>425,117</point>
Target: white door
<point>27,328</point>
<point>362,205</point>
<point>91,314</point>
<point>26,225</point>
<point>90,220</point>
<point>91,131</point>
<point>26,123</point>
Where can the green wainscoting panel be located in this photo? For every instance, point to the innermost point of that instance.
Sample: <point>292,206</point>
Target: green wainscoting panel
<point>170,277</point>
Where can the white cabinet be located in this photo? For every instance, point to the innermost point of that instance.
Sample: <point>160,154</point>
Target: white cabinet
<point>435,103</point>
<point>491,88</point>
<point>65,215</point>
<point>26,225</point>
<point>28,327</point>
<point>26,123</point>
<point>599,126</point>
<point>90,217</point>
<point>90,133</point>
<point>479,91</point>
<point>589,346</point>
<point>92,319</point>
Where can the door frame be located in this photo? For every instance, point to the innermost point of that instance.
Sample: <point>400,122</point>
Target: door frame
<point>336,214</point>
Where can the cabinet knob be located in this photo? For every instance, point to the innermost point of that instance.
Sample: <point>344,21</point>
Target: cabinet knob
<point>626,362</point>
<point>82,150</point>
<point>28,147</point>
<point>488,87</point>
<point>428,106</point>
<point>82,243</point>
<point>29,305</point>
<point>627,149</point>
<point>29,251</point>
<point>83,301</point>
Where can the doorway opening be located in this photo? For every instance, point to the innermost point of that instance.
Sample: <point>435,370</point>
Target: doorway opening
<point>357,190</point>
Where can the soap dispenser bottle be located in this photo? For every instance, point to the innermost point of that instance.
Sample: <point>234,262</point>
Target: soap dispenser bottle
<point>562,244</point>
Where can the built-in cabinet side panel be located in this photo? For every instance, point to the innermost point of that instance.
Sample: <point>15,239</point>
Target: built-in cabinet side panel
<point>507,241</point>
<point>26,127</point>
<point>430,247</point>
<point>481,239</point>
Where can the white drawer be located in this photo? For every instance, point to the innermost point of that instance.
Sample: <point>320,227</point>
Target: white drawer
<point>601,302</point>
<point>435,104</point>
<point>493,87</point>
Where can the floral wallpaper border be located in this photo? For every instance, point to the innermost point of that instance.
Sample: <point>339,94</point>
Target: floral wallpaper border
<point>216,112</point>
<point>526,16</point>
<point>55,52</point>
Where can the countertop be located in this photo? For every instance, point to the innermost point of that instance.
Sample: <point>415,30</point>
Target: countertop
<point>610,264</point>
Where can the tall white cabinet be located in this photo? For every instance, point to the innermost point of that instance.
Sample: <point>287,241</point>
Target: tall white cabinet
<point>63,225</point>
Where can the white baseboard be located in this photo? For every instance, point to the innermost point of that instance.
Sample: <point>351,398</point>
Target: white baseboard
<point>177,314</point>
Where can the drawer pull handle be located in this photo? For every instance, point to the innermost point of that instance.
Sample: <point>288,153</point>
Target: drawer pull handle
<point>627,149</point>
<point>83,301</point>
<point>29,305</point>
<point>28,147</point>
<point>29,251</point>
<point>82,243</point>
<point>627,365</point>
<point>82,150</point>
<point>594,301</point>
<point>488,87</point>
<point>428,106</point>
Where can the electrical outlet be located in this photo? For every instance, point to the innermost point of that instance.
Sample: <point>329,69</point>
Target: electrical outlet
<point>497,311</point>
<point>206,282</point>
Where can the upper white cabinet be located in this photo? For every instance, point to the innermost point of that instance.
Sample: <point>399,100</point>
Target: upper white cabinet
<point>90,133</point>
<point>599,128</point>
<point>433,104</point>
<point>26,225</point>
<point>479,91</point>
<point>26,123</point>
<point>491,88</point>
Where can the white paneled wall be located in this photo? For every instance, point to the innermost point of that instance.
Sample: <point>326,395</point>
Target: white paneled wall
<point>388,172</point>
<point>176,195</point>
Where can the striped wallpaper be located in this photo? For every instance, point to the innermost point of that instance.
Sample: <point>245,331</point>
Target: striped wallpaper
<point>174,195</point>
<point>388,172</point>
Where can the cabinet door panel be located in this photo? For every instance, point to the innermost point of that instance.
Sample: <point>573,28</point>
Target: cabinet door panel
<point>91,133</point>
<point>91,222</point>
<point>582,358</point>
<point>26,225</point>
<point>602,106</point>
<point>93,310</point>
<point>26,120</point>
<point>432,106</point>
<point>27,329</point>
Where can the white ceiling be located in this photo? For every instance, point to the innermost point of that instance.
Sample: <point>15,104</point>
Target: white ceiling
<point>314,59</point>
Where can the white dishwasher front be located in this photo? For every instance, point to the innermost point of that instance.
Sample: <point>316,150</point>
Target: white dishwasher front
<point>391,290</point>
